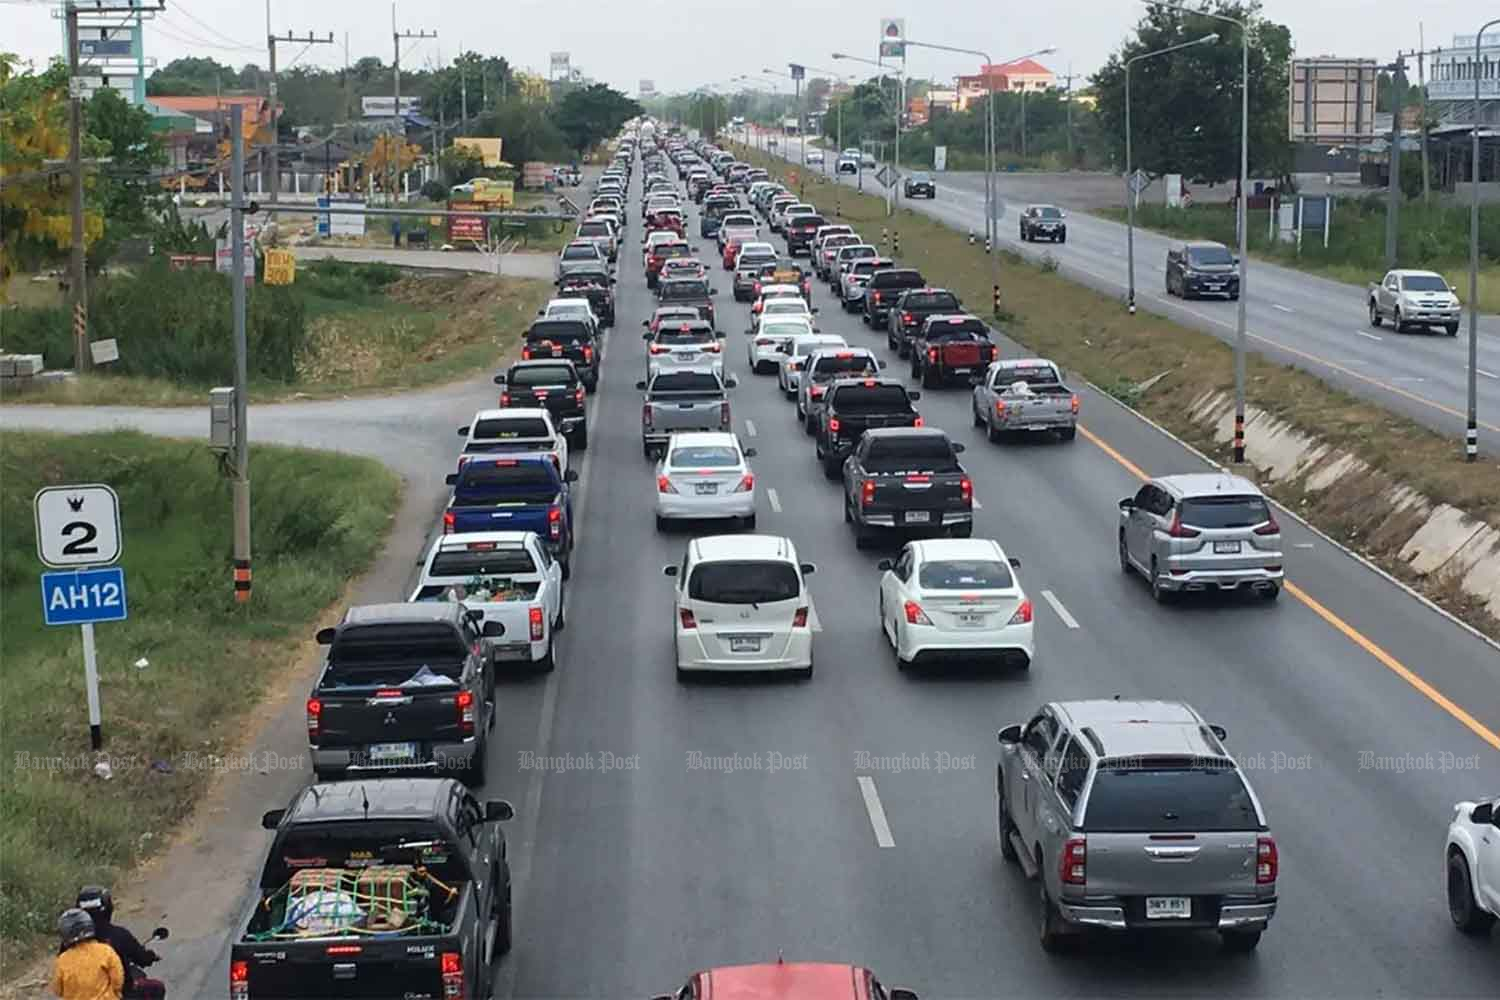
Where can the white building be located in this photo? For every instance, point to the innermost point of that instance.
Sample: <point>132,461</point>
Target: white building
<point>1451,75</point>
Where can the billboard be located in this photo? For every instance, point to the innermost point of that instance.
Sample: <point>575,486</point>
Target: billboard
<point>648,88</point>
<point>465,227</point>
<point>488,148</point>
<point>1332,100</point>
<point>560,63</point>
<point>385,107</point>
<point>892,38</point>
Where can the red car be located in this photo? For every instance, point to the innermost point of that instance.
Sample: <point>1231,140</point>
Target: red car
<point>781,980</point>
<point>731,254</point>
<point>668,220</point>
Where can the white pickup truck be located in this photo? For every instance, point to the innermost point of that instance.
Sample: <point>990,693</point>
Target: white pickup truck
<point>509,577</point>
<point>515,430</point>
<point>1025,394</point>
<point>1414,298</point>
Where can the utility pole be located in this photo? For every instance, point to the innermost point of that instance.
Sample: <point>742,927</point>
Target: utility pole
<point>82,360</point>
<point>271,41</point>
<point>1069,108</point>
<point>1393,186</point>
<point>394,165</point>
<point>1422,85</point>
<point>241,484</point>
<point>463,95</point>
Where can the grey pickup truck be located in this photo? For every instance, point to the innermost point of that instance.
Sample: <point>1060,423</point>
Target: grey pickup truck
<point>1025,394</point>
<point>683,399</point>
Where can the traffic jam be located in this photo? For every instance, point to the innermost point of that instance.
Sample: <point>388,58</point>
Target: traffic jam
<point>390,876</point>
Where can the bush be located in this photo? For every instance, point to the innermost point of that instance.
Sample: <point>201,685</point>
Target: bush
<point>334,279</point>
<point>435,191</point>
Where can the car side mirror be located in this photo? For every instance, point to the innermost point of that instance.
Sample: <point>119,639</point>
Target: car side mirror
<point>885,564</point>
<point>815,310</point>
<point>271,819</point>
<point>160,934</point>
<point>492,629</point>
<point>902,993</point>
<point>1127,504</point>
<point>669,570</point>
<point>731,380</point>
<point>958,448</point>
<point>750,452</point>
<point>500,379</point>
<point>641,385</point>
<point>646,335</point>
<point>713,291</point>
<point>1014,562</point>
<point>884,364</point>
<point>808,568</point>
<point>498,811</point>
<point>463,431</point>
<point>325,636</point>
<point>451,479</point>
<point>1219,731</point>
<point>541,312</point>
<point>913,395</point>
<point>571,476</point>
<point>1010,734</point>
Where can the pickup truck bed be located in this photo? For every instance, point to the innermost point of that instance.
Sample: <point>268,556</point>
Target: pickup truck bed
<point>1001,407</point>
<point>907,480</point>
<point>684,400</point>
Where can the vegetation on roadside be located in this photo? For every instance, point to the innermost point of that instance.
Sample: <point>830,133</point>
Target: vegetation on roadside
<point>177,678</point>
<point>1434,237</point>
<point>1089,333</point>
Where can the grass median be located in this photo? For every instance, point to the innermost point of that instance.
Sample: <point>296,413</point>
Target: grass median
<point>179,677</point>
<point>1161,368</point>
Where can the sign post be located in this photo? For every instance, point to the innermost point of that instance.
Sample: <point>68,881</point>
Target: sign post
<point>78,531</point>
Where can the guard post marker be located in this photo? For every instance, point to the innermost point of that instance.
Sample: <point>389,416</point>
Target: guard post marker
<point>1239,437</point>
<point>896,244</point>
<point>995,296</point>
<point>241,581</point>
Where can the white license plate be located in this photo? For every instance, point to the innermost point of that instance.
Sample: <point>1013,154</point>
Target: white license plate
<point>744,644</point>
<point>392,751</point>
<point>1213,286</point>
<point>1226,547</point>
<point>918,517</point>
<point>970,619</point>
<point>962,371</point>
<point>705,489</point>
<point>1168,907</point>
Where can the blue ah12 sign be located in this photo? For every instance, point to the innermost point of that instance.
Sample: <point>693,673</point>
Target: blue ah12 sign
<point>84,596</point>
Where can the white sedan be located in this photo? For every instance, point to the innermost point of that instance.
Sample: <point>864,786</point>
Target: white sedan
<point>782,308</point>
<point>705,474</point>
<point>767,349</point>
<point>1473,861</point>
<point>955,600</point>
<point>814,156</point>
<point>789,375</point>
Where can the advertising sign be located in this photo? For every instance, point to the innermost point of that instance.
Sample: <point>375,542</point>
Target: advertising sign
<point>101,47</point>
<point>892,38</point>
<point>492,194</point>
<point>560,61</point>
<point>465,227</point>
<point>340,225</point>
<point>280,267</point>
<point>940,158</point>
<point>385,107</point>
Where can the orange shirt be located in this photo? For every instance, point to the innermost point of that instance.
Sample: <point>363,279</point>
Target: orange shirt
<point>88,971</point>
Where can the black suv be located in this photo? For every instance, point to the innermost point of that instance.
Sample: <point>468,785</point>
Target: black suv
<point>564,340</point>
<point>550,385</point>
<point>597,285</point>
<point>1200,268</point>
<point>1043,222</point>
<point>882,290</point>
<point>920,185</point>
<point>911,309</point>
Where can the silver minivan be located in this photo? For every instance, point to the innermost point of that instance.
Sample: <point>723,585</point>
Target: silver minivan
<point>1131,816</point>
<point>1201,531</point>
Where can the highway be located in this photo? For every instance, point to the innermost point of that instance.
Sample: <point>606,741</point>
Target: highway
<point>1293,318</point>
<point>628,878</point>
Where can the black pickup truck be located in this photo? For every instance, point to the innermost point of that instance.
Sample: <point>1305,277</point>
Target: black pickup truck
<point>911,310</point>
<point>695,293</point>
<point>907,480</point>
<point>404,687</point>
<point>800,233</point>
<point>564,340</point>
<point>552,385</point>
<point>882,290</point>
<point>951,347</point>
<point>377,890</point>
<point>853,406</point>
<point>597,285</point>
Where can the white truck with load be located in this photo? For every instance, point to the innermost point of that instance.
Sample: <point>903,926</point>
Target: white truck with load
<point>1025,394</point>
<point>509,577</point>
<point>1414,298</point>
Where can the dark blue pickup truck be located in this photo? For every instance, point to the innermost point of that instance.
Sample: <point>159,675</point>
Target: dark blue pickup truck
<point>522,493</point>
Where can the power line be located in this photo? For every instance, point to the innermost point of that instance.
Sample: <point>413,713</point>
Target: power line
<point>208,27</point>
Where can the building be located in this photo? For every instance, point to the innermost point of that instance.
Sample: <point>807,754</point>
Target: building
<point>941,100</point>
<point>111,49</point>
<point>1451,75</point>
<point>1331,100</point>
<point>1023,75</point>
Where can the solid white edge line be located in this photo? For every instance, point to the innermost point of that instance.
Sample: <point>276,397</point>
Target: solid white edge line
<point>1486,374</point>
<point>876,811</point>
<point>774,499</point>
<point>1062,612</point>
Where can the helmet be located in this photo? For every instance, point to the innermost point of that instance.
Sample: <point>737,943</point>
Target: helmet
<point>74,926</point>
<point>97,902</point>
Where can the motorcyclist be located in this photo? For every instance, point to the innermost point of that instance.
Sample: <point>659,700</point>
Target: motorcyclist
<point>99,904</point>
<point>86,968</point>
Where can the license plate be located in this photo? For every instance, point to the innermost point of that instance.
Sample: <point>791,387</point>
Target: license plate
<point>392,751</point>
<point>962,371</point>
<point>703,489</point>
<point>1168,907</point>
<point>1226,547</point>
<point>970,619</point>
<point>918,516</point>
<point>687,357</point>
<point>1213,286</point>
<point>744,644</point>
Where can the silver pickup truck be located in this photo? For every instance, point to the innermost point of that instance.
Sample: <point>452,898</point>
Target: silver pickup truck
<point>683,399</point>
<point>1025,394</point>
<point>1414,298</point>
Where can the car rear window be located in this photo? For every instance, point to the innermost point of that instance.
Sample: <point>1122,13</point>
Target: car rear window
<point>594,229</point>
<point>966,574</point>
<point>541,375</point>
<point>932,300</point>
<point>852,399</point>
<point>581,253</point>
<point>495,561</point>
<point>1199,797</point>
<point>667,250</point>
<point>407,642</point>
<point>704,456</point>
<point>352,846</point>
<point>511,427</point>
<point>810,222</point>
<point>966,330</point>
<point>833,366</point>
<point>892,454</point>
<point>1225,512</point>
<point>684,290</point>
<point>744,582</point>
<point>673,338</point>
<point>563,330</point>
<point>898,278</point>
<point>523,482</point>
<point>703,382</point>
<point>1030,374</point>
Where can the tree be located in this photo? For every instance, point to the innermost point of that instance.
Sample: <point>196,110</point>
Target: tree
<point>460,165</point>
<point>391,153</point>
<point>1185,115</point>
<point>124,191</point>
<point>589,115</point>
<point>528,130</point>
<point>190,77</point>
<point>815,90</point>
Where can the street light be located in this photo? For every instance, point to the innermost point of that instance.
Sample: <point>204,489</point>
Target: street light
<point>1129,174</point>
<point>1041,52</point>
<point>890,193</point>
<point>1471,435</point>
<point>1241,216</point>
<point>841,78</point>
<point>798,101</point>
<point>775,88</point>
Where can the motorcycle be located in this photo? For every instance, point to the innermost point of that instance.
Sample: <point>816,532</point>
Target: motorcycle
<point>136,976</point>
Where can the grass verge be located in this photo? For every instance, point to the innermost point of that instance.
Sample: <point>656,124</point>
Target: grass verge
<point>319,520</point>
<point>1090,334</point>
<point>1435,238</point>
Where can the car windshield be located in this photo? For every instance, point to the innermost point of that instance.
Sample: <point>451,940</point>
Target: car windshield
<point>1195,797</point>
<point>921,178</point>
<point>700,382</point>
<point>530,375</point>
<point>744,582</point>
<point>851,399</point>
<point>678,338</point>
<point>1424,283</point>
<point>893,454</point>
<point>704,456</point>
<point>1209,256</point>
<point>966,574</point>
<point>1225,512</point>
<point>933,301</point>
<point>481,559</point>
<point>1048,213</point>
<point>827,367</point>
<point>486,482</point>
<point>684,290</point>
<point>509,428</point>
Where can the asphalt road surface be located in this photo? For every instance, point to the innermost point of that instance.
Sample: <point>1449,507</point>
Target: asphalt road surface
<point>664,828</point>
<point>1292,318</point>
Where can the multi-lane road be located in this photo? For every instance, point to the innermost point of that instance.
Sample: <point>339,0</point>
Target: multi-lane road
<point>1293,318</point>
<point>664,827</point>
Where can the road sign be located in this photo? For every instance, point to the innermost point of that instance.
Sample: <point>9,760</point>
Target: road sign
<point>83,597</point>
<point>1139,181</point>
<point>77,525</point>
<point>280,267</point>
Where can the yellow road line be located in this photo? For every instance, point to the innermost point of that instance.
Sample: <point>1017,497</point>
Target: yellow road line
<point>1348,631</point>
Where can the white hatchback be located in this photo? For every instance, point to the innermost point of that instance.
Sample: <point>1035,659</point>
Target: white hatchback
<point>702,475</point>
<point>955,600</point>
<point>742,604</point>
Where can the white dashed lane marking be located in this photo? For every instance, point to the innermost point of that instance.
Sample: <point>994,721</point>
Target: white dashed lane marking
<point>1062,612</point>
<point>775,500</point>
<point>876,810</point>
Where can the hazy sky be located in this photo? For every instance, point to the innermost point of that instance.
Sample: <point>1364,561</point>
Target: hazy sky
<point>681,44</point>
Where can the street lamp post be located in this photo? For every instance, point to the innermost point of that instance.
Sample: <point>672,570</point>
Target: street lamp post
<point>841,78</point>
<point>785,137</point>
<point>1471,434</point>
<point>1241,216</point>
<point>860,175</point>
<point>1130,194</point>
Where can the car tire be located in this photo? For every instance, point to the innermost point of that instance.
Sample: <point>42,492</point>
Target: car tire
<point>1451,329</point>
<point>1003,826</point>
<point>848,514</point>
<point>929,378</point>
<point>581,438</point>
<point>1063,238</point>
<point>661,524</point>
<point>548,662</point>
<point>833,470</point>
<point>562,621</point>
<point>1240,942</point>
<point>503,927</point>
<point>803,673</point>
<point>1396,322</point>
<point>1159,594</point>
<point>1375,319</point>
<point>992,433</point>
<point>1234,296</point>
<point>1270,593</point>
<point>1125,566</point>
<point>473,775</point>
<point>862,537</point>
<point>748,523</point>
<point>809,425</point>
<point>964,530</point>
<point>567,567</point>
<point>1462,910</point>
<point>1068,433</point>
<point>684,676</point>
<point>1051,935</point>
<point>321,776</point>
<point>974,412</point>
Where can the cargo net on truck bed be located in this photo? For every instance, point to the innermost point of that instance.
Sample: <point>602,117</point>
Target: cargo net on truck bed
<point>342,902</point>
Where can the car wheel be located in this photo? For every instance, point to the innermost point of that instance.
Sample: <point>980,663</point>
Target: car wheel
<point>567,567</point>
<point>809,425</point>
<point>803,673</point>
<point>503,933</point>
<point>748,523</point>
<point>473,775</point>
<point>1003,826</point>
<point>1270,593</point>
<point>1125,566</point>
<point>974,412</point>
<point>561,622</point>
<point>549,659</point>
<point>1159,594</point>
<point>581,438</point>
<point>1051,934</point>
<point>1464,912</point>
<point>661,523</point>
<point>861,536</point>
<point>1396,322</point>
<point>1068,433</point>
<point>929,378</point>
<point>1063,238</point>
<point>1451,329</point>
<point>1240,942</point>
<point>848,514</point>
<point>1375,319</point>
<point>832,469</point>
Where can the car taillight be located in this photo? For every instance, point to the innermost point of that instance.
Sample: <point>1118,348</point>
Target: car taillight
<point>314,719</point>
<point>833,425</point>
<point>664,485</point>
<point>756,289</point>
<point>724,413</point>
<point>534,616</point>
<point>966,489</point>
<point>866,493</point>
<point>1073,867</point>
<point>816,392</point>
<point>877,298</point>
<point>746,483</point>
<point>239,980</point>
<point>999,407</point>
<point>764,341</point>
<point>1267,861</point>
<point>464,703</point>
<point>1074,403</point>
<point>932,353</point>
<point>907,318</point>
<point>646,415</point>
<point>453,974</point>
<point>714,348</point>
<point>554,523</point>
<point>658,349</point>
<point>687,619</point>
<point>588,354</point>
<point>918,422</point>
<point>504,399</point>
<point>915,615</point>
<point>1023,614</point>
<point>525,354</point>
<point>1177,530</point>
<point>449,519</point>
<point>578,394</point>
<point>806,287</point>
<point>799,618</point>
<point>1270,527</point>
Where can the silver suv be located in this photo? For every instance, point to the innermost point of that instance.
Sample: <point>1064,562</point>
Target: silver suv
<point>1132,816</point>
<point>1201,531</point>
